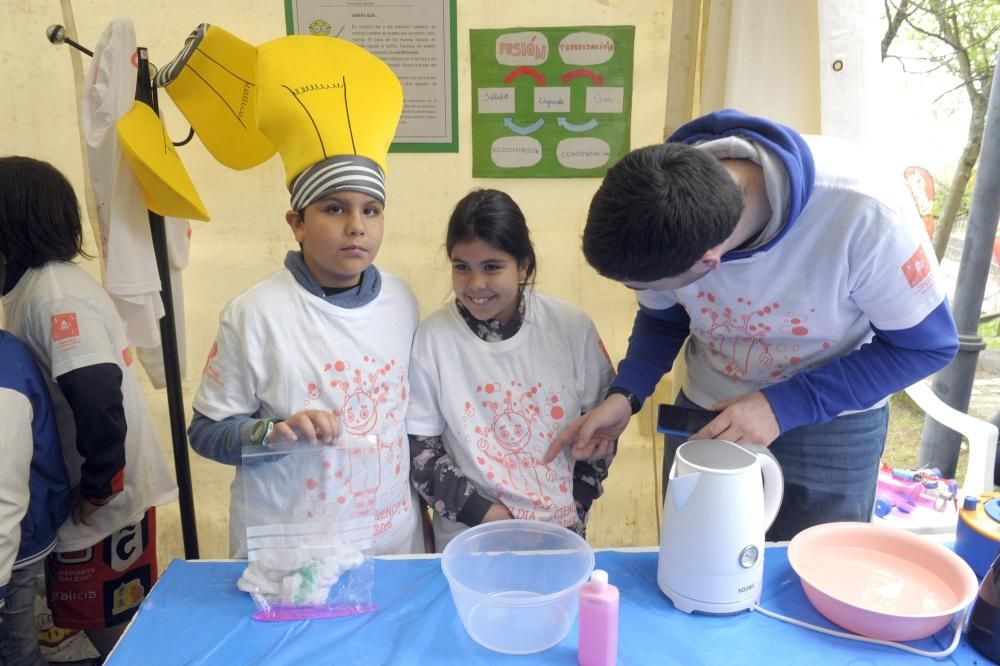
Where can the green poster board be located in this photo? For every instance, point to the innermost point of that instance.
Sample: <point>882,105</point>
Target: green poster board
<point>550,102</point>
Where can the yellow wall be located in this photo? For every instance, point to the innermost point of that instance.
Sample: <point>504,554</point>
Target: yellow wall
<point>247,238</point>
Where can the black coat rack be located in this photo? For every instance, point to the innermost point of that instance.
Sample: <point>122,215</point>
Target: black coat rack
<point>145,92</point>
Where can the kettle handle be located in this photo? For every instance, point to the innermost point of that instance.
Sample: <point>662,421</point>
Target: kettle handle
<point>774,481</point>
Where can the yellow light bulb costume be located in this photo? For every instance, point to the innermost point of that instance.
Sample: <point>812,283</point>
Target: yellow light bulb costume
<point>213,81</point>
<point>329,107</point>
<point>164,181</point>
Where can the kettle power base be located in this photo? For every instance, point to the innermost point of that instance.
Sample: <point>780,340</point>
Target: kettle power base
<point>699,607</point>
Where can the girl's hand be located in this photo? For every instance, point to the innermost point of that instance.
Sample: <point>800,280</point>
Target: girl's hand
<point>315,425</point>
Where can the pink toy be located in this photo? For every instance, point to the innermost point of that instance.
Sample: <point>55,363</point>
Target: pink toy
<point>881,582</point>
<point>598,643</point>
<point>903,491</point>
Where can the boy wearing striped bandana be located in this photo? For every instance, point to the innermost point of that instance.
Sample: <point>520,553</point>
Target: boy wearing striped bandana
<point>319,351</point>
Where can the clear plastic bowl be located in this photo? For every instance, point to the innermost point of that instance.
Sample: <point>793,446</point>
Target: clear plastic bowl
<point>516,583</point>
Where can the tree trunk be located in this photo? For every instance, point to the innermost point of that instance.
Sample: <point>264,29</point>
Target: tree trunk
<point>895,20</point>
<point>973,144</point>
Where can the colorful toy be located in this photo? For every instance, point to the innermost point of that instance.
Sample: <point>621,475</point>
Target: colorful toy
<point>903,490</point>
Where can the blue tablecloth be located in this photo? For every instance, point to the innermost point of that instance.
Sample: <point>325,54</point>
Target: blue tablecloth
<point>195,615</point>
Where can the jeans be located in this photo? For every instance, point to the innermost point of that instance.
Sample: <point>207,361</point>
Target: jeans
<point>18,633</point>
<point>830,469</point>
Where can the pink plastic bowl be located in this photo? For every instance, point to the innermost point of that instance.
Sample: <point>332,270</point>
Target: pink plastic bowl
<point>881,582</point>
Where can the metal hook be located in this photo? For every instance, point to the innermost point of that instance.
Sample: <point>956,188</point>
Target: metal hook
<point>56,34</point>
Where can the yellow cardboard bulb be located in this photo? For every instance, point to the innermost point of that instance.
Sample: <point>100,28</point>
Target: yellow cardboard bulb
<point>319,97</point>
<point>213,83</point>
<point>164,180</point>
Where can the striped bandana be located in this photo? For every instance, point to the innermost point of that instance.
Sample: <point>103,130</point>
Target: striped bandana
<point>343,172</point>
<point>165,76</point>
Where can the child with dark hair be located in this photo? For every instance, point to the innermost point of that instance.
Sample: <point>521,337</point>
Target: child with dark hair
<point>699,212</point>
<point>111,451</point>
<point>34,496</point>
<point>803,285</point>
<point>318,352</point>
<point>494,376</point>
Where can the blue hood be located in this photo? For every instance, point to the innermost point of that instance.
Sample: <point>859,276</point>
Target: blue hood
<point>783,142</point>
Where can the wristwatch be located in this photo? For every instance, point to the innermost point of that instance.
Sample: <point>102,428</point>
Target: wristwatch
<point>261,432</point>
<point>633,401</point>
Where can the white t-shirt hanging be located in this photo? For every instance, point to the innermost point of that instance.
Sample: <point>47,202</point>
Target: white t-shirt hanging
<point>280,350</point>
<point>498,405</point>
<point>69,322</point>
<point>130,275</point>
<point>178,233</point>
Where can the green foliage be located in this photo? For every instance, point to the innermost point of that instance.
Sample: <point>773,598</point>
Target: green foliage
<point>942,186</point>
<point>989,331</point>
<point>959,35</point>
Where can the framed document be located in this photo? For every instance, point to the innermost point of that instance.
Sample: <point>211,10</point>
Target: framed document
<point>416,38</point>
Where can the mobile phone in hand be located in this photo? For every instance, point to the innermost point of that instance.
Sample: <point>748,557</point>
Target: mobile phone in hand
<point>682,421</point>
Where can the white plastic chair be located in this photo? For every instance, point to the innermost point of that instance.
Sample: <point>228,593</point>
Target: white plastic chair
<point>982,438</point>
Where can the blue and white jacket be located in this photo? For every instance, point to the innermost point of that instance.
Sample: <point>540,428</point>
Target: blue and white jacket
<point>34,486</point>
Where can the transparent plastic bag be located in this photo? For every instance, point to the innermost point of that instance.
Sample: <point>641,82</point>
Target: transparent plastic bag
<point>309,546</point>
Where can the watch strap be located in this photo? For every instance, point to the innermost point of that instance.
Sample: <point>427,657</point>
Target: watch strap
<point>633,401</point>
<point>262,432</point>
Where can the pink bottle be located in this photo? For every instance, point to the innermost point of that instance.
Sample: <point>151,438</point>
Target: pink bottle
<point>598,641</point>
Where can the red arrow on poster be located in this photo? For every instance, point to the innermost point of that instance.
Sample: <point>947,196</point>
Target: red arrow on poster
<point>525,71</point>
<point>577,73</point>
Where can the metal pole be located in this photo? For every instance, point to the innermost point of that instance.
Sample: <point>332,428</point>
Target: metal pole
<point>145,92</point>
<point>939,445</point>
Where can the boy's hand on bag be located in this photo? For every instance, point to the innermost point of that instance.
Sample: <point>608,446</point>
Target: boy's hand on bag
<point>747,419</point>
<point>82,509</point>
<point>592,436</point>
<point>311,425</point>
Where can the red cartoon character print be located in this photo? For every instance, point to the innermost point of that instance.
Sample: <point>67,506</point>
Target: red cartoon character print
<point>747,340</point>
<point>366,392</point>
<point>507,442</point>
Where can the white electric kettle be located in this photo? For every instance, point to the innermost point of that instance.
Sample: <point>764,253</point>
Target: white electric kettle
<point>720,500</point>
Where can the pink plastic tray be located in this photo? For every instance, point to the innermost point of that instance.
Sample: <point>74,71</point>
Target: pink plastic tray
<point>881,582</point>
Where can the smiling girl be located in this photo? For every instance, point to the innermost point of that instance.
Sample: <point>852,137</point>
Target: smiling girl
<point>494,375</point>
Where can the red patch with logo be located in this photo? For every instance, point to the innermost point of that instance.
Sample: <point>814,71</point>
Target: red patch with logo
<point>65,326</point>
<point>127,356</point>
<point>916,268</point>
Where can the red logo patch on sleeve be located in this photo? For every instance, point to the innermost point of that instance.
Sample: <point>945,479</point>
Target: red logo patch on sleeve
<point>127,356</point>
<point>916,268</point>
<point>65,326</point>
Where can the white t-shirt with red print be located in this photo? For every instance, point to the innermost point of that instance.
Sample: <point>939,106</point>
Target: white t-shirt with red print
<point>69,322</point>
<point>281,350</point>
<point>498,405</point>
<point>850,259</point>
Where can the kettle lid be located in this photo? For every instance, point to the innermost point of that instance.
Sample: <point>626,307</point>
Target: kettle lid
<point>715,454</point>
